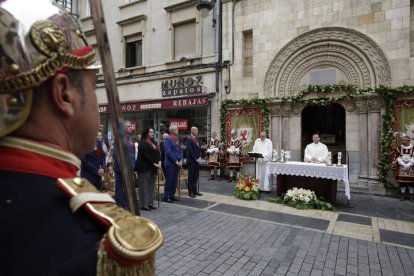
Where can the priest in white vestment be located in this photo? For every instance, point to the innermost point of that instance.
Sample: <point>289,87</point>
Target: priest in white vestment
<point>316,152</point>
<point>264,146</point>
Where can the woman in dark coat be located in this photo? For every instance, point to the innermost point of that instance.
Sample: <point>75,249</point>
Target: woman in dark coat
<point>147,164</point>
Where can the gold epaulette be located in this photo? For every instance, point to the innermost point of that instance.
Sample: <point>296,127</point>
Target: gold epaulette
<point>129,246</point>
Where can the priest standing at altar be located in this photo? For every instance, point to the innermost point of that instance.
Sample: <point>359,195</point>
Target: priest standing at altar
<point>264,146</point>
<point>316,152</point>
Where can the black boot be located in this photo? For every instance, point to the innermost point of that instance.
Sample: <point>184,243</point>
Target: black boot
<point>218,178</point>
<point>230,179</point>
<point>211,177</point>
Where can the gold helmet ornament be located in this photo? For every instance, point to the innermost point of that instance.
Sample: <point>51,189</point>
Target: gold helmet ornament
<point>37,40</point>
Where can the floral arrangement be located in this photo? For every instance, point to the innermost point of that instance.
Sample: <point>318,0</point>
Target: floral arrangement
<point>246,187</point>
<point>303,199</point>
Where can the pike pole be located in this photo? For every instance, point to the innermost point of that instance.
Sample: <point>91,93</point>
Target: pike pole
<point>115,114</point>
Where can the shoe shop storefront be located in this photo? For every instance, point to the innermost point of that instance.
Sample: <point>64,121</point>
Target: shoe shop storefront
<point>160,114</point>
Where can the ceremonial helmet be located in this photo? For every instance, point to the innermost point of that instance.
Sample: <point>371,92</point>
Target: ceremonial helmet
<point>37,40</point>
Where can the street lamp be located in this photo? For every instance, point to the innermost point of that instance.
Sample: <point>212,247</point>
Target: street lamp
<point>185,59</point>
<point>204,7</point>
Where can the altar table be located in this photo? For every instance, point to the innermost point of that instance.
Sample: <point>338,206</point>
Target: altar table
<point>320,178</point>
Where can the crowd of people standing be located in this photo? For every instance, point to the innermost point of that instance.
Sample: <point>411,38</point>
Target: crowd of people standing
<point>147,158</point>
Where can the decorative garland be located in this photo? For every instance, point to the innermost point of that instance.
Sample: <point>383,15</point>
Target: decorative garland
<point>348,92</point>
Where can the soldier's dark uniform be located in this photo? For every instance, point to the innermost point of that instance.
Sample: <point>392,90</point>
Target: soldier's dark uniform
<point>52,222</point>
<point>39,234</point>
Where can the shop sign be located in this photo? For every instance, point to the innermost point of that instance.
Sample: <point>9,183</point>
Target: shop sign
<point>161,104</point>
<point>182,86</point>
<point>181,124</point>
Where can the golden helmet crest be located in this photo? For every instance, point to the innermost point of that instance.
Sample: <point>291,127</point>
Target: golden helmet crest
<point>37,40</point>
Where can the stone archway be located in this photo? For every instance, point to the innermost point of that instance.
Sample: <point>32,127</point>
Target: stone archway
<point>357,57</point>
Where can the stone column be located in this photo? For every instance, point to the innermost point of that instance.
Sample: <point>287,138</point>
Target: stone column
<point>276,123</point>
<point>362,108</point>
<point>285,112</point>
<point>374,136</point>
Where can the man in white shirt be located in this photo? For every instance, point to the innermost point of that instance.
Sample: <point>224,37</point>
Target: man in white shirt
<point>316,152</point>
<point>264,146</point>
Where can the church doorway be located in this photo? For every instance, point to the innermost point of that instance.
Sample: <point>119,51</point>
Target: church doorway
<point>329,122</point>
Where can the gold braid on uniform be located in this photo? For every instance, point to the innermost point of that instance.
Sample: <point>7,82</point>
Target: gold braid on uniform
<point>128,248</point>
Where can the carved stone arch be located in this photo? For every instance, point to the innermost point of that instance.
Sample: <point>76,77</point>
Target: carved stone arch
<point>357,56</point>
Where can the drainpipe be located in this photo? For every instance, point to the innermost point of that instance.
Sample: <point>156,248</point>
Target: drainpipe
<point>219,45</point>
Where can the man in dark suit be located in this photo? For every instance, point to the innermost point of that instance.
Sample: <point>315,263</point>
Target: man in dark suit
<point>193,161</point>
<point>94,163</point>
<point>173,162</point>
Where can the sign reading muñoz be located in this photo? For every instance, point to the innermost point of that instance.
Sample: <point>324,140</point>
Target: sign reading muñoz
<point>182,86</point>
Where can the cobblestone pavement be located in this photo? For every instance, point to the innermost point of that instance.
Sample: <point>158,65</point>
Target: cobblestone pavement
<point>216,234</point>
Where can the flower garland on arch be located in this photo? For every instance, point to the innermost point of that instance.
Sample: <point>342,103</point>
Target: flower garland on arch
<point>348,92</point>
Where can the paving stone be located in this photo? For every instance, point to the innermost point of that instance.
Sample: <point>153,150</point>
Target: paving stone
<point>363,273</point>
<point>236,266</point>
<point>282,269</point>
<point>316,272</point>
<point>340,270</point>
<point>352,269</point>
<point>306,267</point>
<point>294,268</point>
<point>363,267</point>
<point>243,259</point>
<point>256,271</point>
<point>304,273</point>
<point>230,273</point>
<point>199,242</point>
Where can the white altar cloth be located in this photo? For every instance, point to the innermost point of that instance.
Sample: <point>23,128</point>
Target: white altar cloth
<point>309,170</point>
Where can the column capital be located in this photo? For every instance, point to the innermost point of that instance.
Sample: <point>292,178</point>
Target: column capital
<point>375,104</point>
<point>361,106</point>
<point>280,109</point>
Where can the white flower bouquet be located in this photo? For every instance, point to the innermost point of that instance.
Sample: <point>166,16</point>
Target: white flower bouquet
<point>303,199</point>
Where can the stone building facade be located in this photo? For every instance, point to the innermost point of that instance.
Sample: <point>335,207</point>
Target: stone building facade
<point>270,48</point>
<point>164,58</point>
<point>279,47</point>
